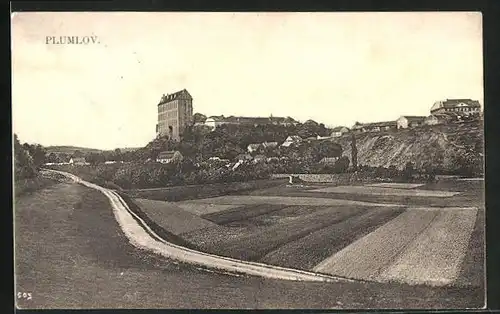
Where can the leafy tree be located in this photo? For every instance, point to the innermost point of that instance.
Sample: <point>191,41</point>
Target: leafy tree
<point>37,153</point>
<point>354,153</point>
<point>23,163</point>
<point>199,118</point>
<point>341,165</point>
<point>408,171</point>
<point>77,153</point>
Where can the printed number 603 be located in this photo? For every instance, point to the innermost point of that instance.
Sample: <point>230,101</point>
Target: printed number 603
<point>24,295</point>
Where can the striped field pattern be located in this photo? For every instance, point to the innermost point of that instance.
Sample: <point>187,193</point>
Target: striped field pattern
<point>360,240</point>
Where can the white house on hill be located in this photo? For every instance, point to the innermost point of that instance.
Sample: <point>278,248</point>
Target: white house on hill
<point>292,140</point>
<point>168,156</point>
<point>77,161</point>
<point>405,122</point>
<point>338,131</point>
<point>253,147</point>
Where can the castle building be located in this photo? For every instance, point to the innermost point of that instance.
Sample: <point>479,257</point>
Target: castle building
<point>175,112</point>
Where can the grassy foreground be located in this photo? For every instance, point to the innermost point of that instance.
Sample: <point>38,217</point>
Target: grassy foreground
<point>70,253</point>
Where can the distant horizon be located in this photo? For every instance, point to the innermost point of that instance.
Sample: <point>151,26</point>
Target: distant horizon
<point>333,68</point>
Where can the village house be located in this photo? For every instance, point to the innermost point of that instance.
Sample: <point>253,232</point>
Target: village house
<point>405,122</point>
<point>78,161</point>
<point>292,140</point>
<point>374,127</point>
<point>435,119</point>
<point>166,157</point>
<point>465,106</point>
<point>339,131</point>
<point>259,158</point>
<point>329,160</point>
<point>319,137</point>
<point>253,147</point>
<point>244,157</point>
<point>218,159</point>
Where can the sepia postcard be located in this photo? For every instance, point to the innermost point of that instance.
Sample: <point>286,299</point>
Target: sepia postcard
<point>255,160</point>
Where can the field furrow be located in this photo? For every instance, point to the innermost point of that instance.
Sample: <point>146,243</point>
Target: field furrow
<point>241,213</point>
<point>203,209</point>
<point>396,185</point>
<point>282,200</point>
<point>370,190</point>
<point>435,255</point>
<point>259,242</point>
<point>308,251</point>
<point>366,257</point>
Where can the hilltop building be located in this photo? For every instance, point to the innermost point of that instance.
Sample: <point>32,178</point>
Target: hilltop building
<point>175,112</point>
<point>465,106</point>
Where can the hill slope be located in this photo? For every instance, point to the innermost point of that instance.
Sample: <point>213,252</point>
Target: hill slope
<point>436,145</point>
<point>71,149</point>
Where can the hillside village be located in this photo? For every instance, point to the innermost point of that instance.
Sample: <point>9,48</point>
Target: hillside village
<point>449,111</point>
<point>175,118</point>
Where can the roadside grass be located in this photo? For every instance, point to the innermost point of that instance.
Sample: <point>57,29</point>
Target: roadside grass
<point>26,186</point>
<point>171,218</point>
<point>310,250</point>
<point>158,225</point>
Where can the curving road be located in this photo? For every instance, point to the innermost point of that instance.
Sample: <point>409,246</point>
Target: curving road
<point>71,252</point>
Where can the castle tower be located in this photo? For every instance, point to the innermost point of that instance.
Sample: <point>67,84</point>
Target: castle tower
<point>175,112</point>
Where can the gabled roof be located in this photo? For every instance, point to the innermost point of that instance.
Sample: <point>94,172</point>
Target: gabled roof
<point>270,144</point>
<point>339,128</point>
<point>452,103</point>
<point>182,94</point>
<point>294,138</point>
<point>253,146</point>
<point>166,155</point>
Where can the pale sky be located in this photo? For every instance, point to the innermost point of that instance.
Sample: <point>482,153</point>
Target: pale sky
<point>334,68</point>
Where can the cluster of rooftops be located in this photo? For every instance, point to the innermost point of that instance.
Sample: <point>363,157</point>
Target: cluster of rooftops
<point>441,112</point>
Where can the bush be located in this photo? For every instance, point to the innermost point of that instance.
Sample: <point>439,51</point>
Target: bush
<point>341,165</point>
<point>408,172</point>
